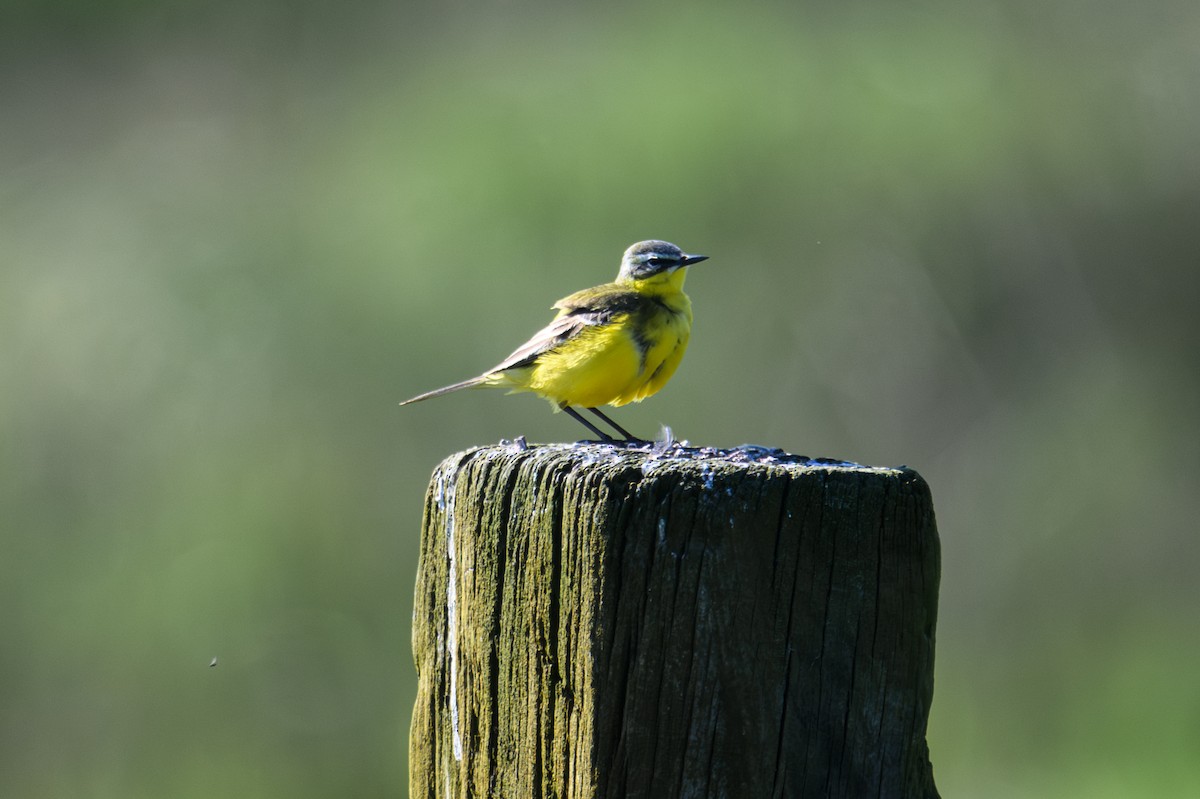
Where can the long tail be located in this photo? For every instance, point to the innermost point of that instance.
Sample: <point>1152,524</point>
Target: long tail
<point>474,381</point>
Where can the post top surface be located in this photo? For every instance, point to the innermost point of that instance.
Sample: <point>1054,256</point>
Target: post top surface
<point>654,455</point>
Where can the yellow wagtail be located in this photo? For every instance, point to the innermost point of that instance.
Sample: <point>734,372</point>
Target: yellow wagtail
<point>609,345</point>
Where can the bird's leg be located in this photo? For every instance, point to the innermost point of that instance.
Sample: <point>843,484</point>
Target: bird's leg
<point>628,436</point>
<point>575,415</point>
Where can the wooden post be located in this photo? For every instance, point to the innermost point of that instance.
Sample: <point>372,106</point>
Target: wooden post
<point>598,621</point>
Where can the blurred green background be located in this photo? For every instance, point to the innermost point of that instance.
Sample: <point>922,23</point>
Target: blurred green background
<point>233,237</point>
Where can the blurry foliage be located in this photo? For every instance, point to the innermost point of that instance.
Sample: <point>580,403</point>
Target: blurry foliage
<point>961,238</point>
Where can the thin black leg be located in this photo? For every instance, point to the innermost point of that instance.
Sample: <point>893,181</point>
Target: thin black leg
<point>615,426</point>
<point>575,415</point>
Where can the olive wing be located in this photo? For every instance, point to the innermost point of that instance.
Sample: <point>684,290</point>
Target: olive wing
<point>576,313</point>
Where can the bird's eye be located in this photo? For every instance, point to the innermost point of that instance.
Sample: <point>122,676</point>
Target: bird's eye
<point>654,260</point>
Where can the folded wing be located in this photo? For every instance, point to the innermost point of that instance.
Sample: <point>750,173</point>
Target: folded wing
<point>576,313</point>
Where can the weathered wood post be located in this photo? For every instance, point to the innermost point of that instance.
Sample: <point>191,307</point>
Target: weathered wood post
<point>598,621</point>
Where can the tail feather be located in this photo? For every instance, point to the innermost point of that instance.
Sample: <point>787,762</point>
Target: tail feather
<point>474,381</point>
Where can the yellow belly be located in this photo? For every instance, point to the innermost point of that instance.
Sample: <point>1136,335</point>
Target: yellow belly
<point>604,365</point>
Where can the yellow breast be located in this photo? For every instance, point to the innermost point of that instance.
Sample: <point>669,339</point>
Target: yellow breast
<point>661,355</point>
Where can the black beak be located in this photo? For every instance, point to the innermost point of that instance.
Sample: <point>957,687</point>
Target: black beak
<point>688,260</point>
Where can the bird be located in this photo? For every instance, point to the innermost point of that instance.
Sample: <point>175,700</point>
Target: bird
<point>613,344</point>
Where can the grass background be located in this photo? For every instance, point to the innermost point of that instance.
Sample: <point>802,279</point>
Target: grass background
<point>233,236</point>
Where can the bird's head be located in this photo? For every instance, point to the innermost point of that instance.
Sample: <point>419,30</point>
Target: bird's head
<point>649,259</point>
